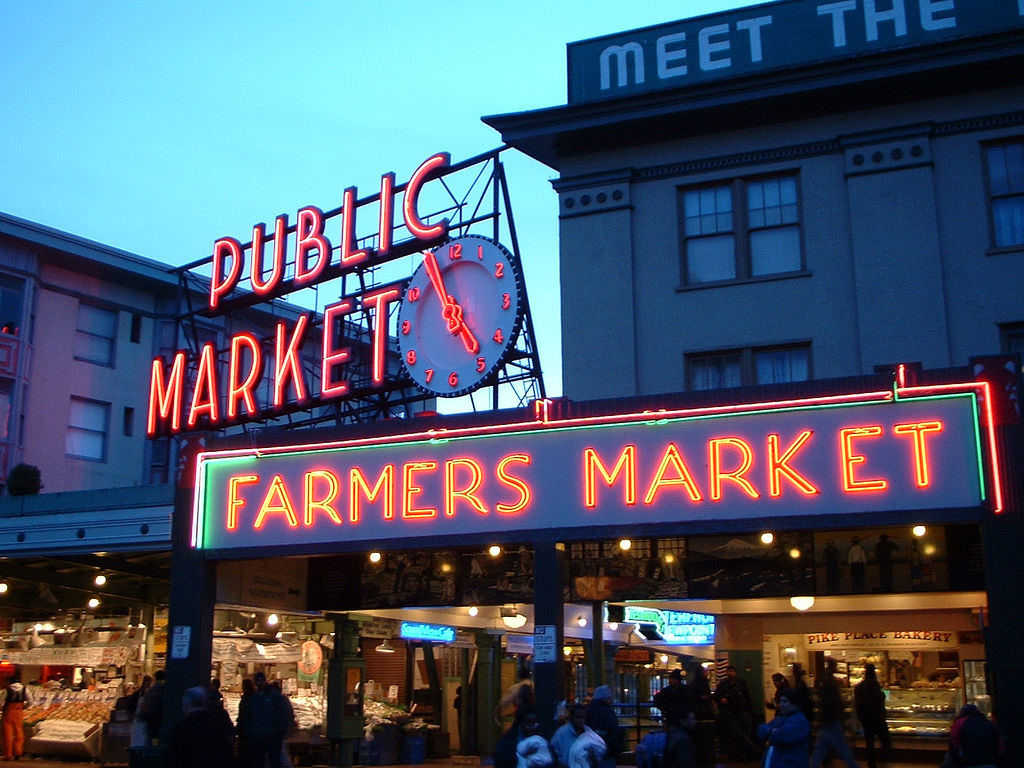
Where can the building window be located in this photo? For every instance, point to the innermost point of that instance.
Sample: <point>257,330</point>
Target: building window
<point>87,429</point>
<point>742,229</point>
<point>1013,339</point>
<point>1005,165</point>
<point>12,291</point>
<point>94,340</point>
<point>748,366</point>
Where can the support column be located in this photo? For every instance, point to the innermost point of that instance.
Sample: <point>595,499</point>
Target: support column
<point>487,689</point>
<point>346,671</point>
<point>190,616</point>
<point>548,612</point>
<point>598,663</point>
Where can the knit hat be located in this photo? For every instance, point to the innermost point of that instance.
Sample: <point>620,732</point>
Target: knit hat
<point>676,673</point>
<point>602,692</point>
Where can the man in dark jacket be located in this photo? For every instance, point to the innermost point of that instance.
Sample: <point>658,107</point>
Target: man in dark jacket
<point>735,716</point>
<point>675,700</point>
<point>602,718</point>
<point>151,710</point>
<point>204,736</point>
<point>869,703</point>
<point>833,715</point>
<point>265,722</point>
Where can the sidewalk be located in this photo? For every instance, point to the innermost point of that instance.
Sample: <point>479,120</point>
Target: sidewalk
<point>32,762</point>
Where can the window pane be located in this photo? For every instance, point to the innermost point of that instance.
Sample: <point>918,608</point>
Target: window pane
<point>775,250</point>
<point>101,322</point>
<point>771,202</point>
<point>777,366</point>
<point>1008,218</point>
<point>714,372</point>
<point>88,415</point>
<point>93,348</point>
<point>1006,168</point>
<point>87,445</point>
<point>710,258</point>
<point>708,211</point>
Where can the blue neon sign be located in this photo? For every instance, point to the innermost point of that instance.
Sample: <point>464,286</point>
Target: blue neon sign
<point>415,630</point>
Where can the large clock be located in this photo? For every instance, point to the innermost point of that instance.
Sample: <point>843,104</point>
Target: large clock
<point>460,315</point>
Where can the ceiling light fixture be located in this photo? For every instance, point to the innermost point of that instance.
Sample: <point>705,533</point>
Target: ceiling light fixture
<point>494,550</point>
<point>767,538</point>
<point>919,530</point>
<point>625,544</point>
<point>100,580</point>
<point>3,587</point>
<point>512,618</point>
<point>273,619</point>
<point>375,557</point>
<point>384,647</point>
<point>473,610</point>
<point>93,602</point>
<point>581,621</point>
<point>802,602</point>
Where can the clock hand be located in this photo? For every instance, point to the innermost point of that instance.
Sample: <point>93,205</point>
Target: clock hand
<point>450,309</point>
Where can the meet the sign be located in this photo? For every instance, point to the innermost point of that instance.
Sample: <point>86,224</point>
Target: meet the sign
<point>829,457</point>
<point>772,36</point>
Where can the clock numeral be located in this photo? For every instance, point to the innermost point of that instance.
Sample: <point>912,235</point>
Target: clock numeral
<point>407,326</point>
<point>429,375</point>
<point>480,252</point>
<point>481,364</point>
<point>454,251</point>
<point>410,357</point>
<point>506,301</point>
<point>499,270</point>
<point>414,293</point>
<point>499,337</point>
<point>453,379</point>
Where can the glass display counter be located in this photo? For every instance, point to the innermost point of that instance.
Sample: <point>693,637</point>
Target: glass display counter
<point>922,712</point>
<point>976,685</point>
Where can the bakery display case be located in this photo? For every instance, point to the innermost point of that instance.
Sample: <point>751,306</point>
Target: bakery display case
<point>976,685</point>
<point>921,712</point>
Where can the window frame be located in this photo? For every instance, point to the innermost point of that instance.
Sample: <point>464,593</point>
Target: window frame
<point>991,196</point>
<point>79,332</point>
<point>747,360</point>
<point>105,433</point>
<point>741,229</point>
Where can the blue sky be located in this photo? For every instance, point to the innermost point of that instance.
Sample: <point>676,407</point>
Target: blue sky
<point>157,127</point>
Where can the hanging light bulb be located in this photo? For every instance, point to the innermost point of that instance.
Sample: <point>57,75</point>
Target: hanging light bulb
<point>384,647</point>
<point>93,602</point>
<point>100,580</point>
<point>3,587</point>
<point>625,544</point>
<point>494,550</point>
<point>581,621</point>
<point>273,619</point>
<point>375,557</point>
<point>473,610</point>
<point>767,537</point>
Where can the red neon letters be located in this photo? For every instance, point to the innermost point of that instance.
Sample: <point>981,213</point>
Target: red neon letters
<point>312,250</point>
<point>402,490</point>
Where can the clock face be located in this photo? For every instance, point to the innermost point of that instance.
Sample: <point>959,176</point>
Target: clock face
<point>460,314</point>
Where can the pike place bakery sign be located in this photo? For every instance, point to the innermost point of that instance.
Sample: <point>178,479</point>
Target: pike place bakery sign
<point>907,449</point>
<point>882,641</point>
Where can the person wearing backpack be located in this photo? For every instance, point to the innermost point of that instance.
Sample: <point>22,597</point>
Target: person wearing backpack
<point>974,741</point>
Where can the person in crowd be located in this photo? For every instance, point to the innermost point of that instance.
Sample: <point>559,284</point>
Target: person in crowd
<point>679,752</point>
<point>780,683</point>
<point>602,719</point>
<point>565,735</point>
<point>869,703</point>
<point>216,697</point>
<point>532,751</point>
<point>588,749</point>
<point>833,716</point>
<point>650,752</point>
<point>735,715</point>
<point>802,691</point>
<point>857,559</point>
<point>675,700</point>
<point>518,695</point>
<point>884,550</point>
<point>974,741</point>
<point>151,708</point>
<point>138,732</point>
<point>786,735</point>
<point>245,759</point>
<point>265,723</point>
<point>201,739</point>
<point>703,705</point>
<point>16,701</point>
<point>504,755</point>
